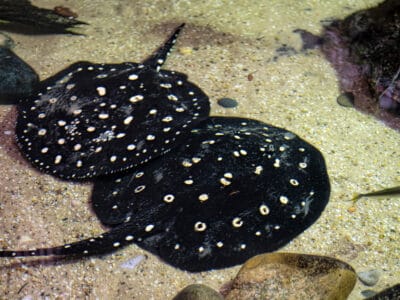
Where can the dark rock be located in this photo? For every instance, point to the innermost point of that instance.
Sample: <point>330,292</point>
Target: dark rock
<point>292,276</point>
<point>363,48</point>
<point>198,292</point>
<point>17,78</point>
<point>346,99</point>
<point>227,102</point>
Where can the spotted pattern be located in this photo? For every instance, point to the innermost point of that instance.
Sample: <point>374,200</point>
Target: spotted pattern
<point>201,207</point>
<point>220,209</point>
<point>116,113</point>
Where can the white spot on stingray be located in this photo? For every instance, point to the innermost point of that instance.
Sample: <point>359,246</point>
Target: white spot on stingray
<point>79,163</point>
<point>150,137</point>
<point>44,150</point>
<point>131,147</point>
<point>129,238</point>
<point>133,77</point>
<point>220,244</point>
<point>101,90</point>
<point>77,111</point>
<point>224,181</point>
<point>258,170</point>
<point>203,197</point>
<point>277,163</point>
<point>186,163</point>
<point>188,181</point>
<point>167,119</point>
<point>139,188</point>
<point>136,98</point>
<point>172,97</point>
<point>303,165</point>
<point>152,111</point>
<point>284,200</point>
<point>98,149</point>
<point>61,141</point>
<point>166,85</point>
<point>42,131</point>
<point>90,129</point>
<point>263,209</point>
<point>196,159</point>
<point>237,222</point>
<point>294,182</point>
<point>228,175</point>
<point>57,159</point>
<point>243,152</point>
<point>128,120</point>
<point>149,228</point>
<point>103,116</point>
<point>113,158</point>
<point>116,244</point>
<point>169,198</point>
<point>200,226</point>
<point>61,123</point>
<point>41,115</point>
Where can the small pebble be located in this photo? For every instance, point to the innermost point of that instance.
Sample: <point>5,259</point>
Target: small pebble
<point>346,99</point>
<point>368,293</point>
<point>186,50</point>
<point>227,102</point>
<point>369,278</point>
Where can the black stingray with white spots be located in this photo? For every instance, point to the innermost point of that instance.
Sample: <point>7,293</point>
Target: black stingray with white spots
<point>235,188</point>
<point>95,119</point>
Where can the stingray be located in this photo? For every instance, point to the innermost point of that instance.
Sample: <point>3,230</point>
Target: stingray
<point>96,119</point>
<point>235,188</point>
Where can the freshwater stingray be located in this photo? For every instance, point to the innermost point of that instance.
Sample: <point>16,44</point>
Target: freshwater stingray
<point>95,119</point>
<point>236,188</point>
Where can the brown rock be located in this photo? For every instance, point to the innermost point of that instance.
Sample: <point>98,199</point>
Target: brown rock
<point>293,276</point>
<point>198,292</point>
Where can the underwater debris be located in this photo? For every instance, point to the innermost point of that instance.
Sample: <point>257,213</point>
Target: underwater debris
<point>393,191</point>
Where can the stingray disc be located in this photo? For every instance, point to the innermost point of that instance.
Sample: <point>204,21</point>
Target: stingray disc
<point>95,119</point>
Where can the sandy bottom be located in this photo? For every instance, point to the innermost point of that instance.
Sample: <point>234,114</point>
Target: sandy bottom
<point>230,40</point>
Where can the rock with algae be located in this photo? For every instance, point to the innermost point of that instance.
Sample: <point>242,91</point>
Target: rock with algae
<point>364,50</point>
<point>292,276</point>
<point>198,292</point>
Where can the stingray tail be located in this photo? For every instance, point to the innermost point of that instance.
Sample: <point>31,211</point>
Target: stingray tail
<point>160,56</point>
<point>105,243</point>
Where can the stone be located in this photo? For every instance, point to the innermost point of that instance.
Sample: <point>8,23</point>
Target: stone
<point>369,278</point>
<point>292,276</point>
<point>198,292</point>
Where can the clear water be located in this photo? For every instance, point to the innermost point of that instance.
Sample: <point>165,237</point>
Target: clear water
<point>227,40</point>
